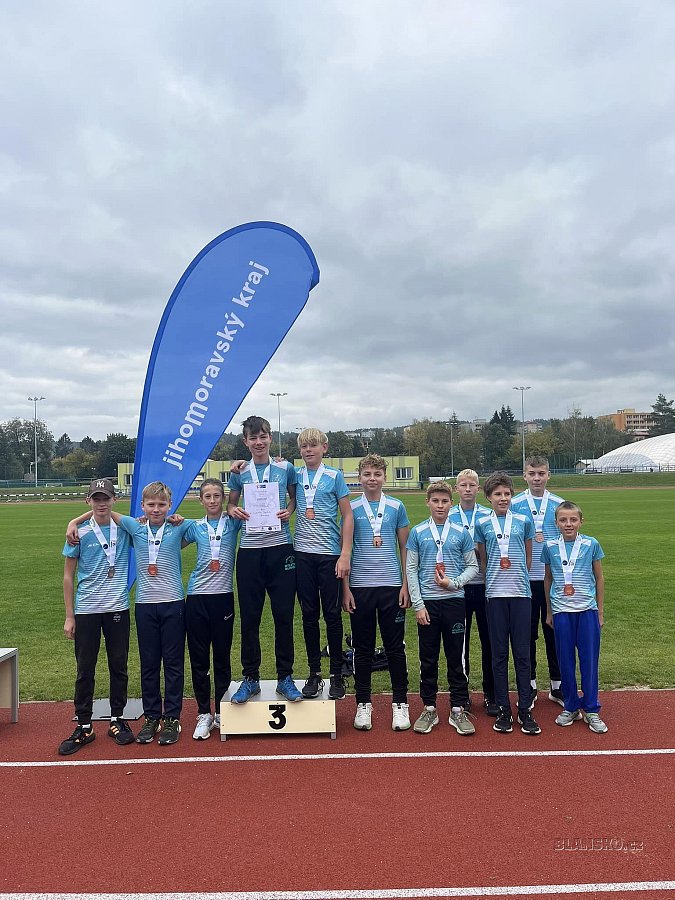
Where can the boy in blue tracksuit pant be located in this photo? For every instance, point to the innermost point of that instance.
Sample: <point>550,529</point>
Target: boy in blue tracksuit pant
<point>575,589</point>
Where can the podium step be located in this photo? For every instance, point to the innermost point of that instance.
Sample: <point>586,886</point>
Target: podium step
<point>269,713</point>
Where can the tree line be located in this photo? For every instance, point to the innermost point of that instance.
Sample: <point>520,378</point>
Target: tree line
<point>444,447</point>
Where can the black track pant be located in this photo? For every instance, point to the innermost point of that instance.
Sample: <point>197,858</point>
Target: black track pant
<point>509,620</point>
<point>447,624</point>
<point>209,620</point>
<point>539,615</point>
<point>161,644</point>
<point>379,605</point>
<point>115,629</point>
<point>319,589</point>
<point>270,569</point>
<point>474,599</point>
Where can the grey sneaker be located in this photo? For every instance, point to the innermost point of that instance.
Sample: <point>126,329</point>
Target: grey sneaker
<point>460,720</point>
<point>595,723</point>
<point>566,717</point>
<point>426,721</point>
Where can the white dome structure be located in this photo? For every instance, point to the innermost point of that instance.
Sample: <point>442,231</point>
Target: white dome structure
<point>656,453</point>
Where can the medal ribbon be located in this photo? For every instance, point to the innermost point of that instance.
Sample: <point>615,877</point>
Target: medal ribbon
<point>375,519</point>
<point>108,547</point>
<point>154,543</point>
<point>439,538</point>
<point>502,536</point>
<point>471,526</point>
<point>537,516</point>
<point>215,536</point>
<point>569,564</point>
<point>254,472</point>
<point>310,487</point>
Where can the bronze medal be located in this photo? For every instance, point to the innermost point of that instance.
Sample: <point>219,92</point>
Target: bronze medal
<point>214,565</point>
<point>111,572</point>
<point>152,569</point>
<point>309,513</point>
<point>377,541</point>
<point>504,563</point>
<point>568,590</point>
<point>539,537</point>
<point>440,569</point>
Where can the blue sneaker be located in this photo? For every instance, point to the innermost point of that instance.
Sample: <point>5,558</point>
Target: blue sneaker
<point>247,689</point>
<point>286,688</point>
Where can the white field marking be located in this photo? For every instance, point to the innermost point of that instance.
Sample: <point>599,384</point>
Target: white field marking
<point>349,757</point>
<point>526,890</point>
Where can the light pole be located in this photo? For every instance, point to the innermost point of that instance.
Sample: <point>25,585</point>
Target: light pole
<point>522,389</point>
<point>453,423</point>
<point>279,396</point>
<point>35,401</point>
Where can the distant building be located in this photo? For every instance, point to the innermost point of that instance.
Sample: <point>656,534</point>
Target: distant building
<point>212,468</point>
<point>631,422</point>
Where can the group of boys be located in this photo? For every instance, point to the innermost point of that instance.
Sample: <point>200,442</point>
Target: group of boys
<point>370,564</point>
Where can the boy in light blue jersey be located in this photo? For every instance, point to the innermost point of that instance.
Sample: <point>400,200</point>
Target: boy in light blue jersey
<point>375,592</point>
<point>100,558</point>
<point>322,554</point>
<point>504,543</point>
<point>209,605</point>
<point>159,611</point>
<point>575,595</point>
<point>540,505</point>
<point>465,513</point>
<point>265,564</point>
<point>440,560</point>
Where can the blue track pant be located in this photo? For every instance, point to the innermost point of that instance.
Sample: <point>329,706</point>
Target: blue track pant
<point>578,633</point>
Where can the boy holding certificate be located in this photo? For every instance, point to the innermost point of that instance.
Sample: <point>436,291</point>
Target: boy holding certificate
<point>265,561</point>
<point>504,544</point>
<point>540,505</point>
<point>322,552</point>
<point>375,592</point>
<point>575,594</point>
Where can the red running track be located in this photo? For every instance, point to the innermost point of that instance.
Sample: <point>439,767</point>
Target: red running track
<point>216,820</point>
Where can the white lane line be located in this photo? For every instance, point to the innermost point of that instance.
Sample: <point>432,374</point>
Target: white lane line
<point>526,890</point>
<point>348,757</point>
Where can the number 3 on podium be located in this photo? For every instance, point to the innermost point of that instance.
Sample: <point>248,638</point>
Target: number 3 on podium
<point>278,720</point>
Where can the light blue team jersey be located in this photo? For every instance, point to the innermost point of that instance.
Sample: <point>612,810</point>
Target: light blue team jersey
<point>519,504</point>
<point>456,516</point>
<point>322,533</point>
<point>457,543</point>
<point>96,593</point>
<point>515,581</point>
<point>203,580</point>
<point>283,474</point>
<point>583,579</point>
<point>377,566</point>
<point>167,584</point>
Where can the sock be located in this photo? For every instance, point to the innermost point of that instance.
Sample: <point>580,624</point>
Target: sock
<point>456,709</point>
<point>86,727</point>
<point>555,685</point>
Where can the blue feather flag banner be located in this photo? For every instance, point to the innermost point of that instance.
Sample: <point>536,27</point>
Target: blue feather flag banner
<point>222,324</point>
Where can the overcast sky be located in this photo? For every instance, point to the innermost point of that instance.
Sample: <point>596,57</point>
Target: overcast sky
<point>487,187</point>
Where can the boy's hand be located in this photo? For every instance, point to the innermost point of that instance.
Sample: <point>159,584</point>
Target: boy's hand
<point>284,514</point>
<point>404,597</point>
<point>601,618</point>
<point>175,519</point>
<point>238,512</point>
<point>342,565</point>
<point>348,602</point>
<point>142,520</point>
<point>69,628</point>
<point>422,616</point>
<point>237,466</point>
<point>549,620</point>
<point>72,536</point>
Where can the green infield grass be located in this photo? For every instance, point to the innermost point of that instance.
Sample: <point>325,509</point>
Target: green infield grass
<point>633,526</point>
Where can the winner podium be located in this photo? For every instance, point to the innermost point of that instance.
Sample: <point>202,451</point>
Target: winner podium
<point>269,713</point>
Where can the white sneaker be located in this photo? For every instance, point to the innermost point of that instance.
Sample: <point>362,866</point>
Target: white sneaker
<point>400,719</point>
<point>205,723</point>
<point>216,721</point>
<point>363,720</point>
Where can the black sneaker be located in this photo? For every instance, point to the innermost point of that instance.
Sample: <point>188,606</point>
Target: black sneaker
<point>313,687</point>
<point>491,707</point>
<point>337,689</point>
<point>533,697</point>
<point>170,731</point>
<point>504,721</point>
<point>77,740</point>
<point>147,733</point>
<point>527,723</point>
<point>555,694</point>
<point>120,732</point>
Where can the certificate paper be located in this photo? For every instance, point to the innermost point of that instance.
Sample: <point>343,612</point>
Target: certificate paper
<point>261,502</point>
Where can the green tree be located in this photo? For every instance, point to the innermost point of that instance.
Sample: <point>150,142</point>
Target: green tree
<point>63,446</point>
<point>10,465</point>
<point>431,442</point>
<point>664,416</point>
<point>507,420</point>
<point>341,444</point>
<point>116,448</point>
<point>78,464</point>
<point>388,442</point>
<point>89,445</point>
<point>496,446</point>
<point>20,437</point>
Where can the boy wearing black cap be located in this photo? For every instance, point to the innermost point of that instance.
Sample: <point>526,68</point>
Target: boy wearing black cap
<point>100,604</point>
